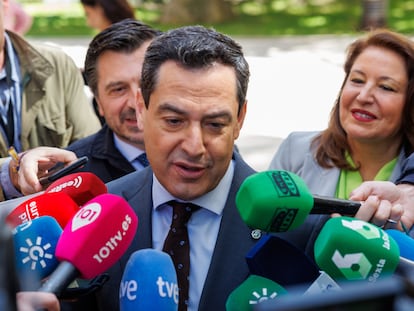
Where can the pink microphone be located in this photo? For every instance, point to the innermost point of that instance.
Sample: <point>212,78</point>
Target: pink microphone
<point>57,205</point>
<point>93,240</point>
<point>81,187</point>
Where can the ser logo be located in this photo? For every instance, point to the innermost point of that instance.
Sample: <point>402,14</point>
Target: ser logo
<point>284,184</point>
<point>285,187</point>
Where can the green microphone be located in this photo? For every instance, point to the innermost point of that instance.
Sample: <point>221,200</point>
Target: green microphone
<point>351,249</point>
<point>278,201</point>
<point>254,290</point>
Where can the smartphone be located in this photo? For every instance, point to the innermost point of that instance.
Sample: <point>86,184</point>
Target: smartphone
<point>61,169</point>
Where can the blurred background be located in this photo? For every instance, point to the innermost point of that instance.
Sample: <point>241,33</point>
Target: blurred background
<point>295,49</point>
<point>236,17</point>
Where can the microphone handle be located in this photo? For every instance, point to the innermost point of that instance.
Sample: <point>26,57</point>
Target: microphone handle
<point>60,279</point>
<point>326,205</point>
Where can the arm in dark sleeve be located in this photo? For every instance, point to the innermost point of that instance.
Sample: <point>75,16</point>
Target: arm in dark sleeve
<point>407,174</point>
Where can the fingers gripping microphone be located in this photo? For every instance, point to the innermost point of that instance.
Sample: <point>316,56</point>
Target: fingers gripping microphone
<point>352,249</point>
<point>149,282</point>
<point>58,205</point>
<point>254,290</point>
<point>278,201</point>
<point>81,187</point>
<point>93,240</point>
<point>34,247</point>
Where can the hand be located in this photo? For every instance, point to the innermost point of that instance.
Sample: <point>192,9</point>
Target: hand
<point>32,301</point>
<point>35,164</point>
<point>386,204</point>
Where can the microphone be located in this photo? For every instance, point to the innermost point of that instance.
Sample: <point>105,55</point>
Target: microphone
<point>81,187</point>
<point>9,284</point>
<point>270,256</point>
<point>253,291</point>
<point>405,243</point>
<point>278,201</point>
<point>92,241</point>
<point>149,282</point>
<point>34,248</point>
<point>352,249</point>
<point>58,205</point>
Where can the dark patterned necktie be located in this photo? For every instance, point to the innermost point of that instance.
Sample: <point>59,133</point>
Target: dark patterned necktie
<point>142,158</point>
<point>178,247</point>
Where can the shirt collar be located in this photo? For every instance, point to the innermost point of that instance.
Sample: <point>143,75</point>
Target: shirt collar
<point>213,201</point>
<point>11,55</point>
<point>127,150</point>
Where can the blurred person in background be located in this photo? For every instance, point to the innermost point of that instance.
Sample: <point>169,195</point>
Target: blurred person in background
<point>102,13</point>
<point>42,97</point>
<point>371,129</point>
<point>17,19</point>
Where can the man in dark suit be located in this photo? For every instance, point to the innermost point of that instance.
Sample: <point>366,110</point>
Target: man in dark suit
<point>191,108</point>
<point>112,68</point>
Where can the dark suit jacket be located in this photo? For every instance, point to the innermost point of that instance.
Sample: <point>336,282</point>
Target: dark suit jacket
<point>105,160</point>
<point>228,267</point>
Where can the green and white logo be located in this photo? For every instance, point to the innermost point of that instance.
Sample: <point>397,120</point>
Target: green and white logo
<point>367,230</point>
<point>353,266</point>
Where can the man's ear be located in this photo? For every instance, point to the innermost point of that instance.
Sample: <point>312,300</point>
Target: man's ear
<point>100,110</point>
<point>140,110</point>
<point>240,120</point>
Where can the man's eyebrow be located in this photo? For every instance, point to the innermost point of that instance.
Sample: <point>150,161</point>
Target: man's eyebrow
<point>171,108</point>
<point>113,84</point>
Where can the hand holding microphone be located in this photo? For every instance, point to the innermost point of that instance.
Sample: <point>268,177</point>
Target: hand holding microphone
<point>37,161</point>
<point>278,201</point>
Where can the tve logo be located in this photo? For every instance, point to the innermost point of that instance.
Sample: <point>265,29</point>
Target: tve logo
<point>129,289</point>
<point>149,282</point>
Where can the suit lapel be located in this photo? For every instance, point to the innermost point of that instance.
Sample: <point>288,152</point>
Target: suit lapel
<point>228,267</point>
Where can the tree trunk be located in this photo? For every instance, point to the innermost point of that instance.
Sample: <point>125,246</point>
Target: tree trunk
<point>374,14</point>
<point>196,11</point>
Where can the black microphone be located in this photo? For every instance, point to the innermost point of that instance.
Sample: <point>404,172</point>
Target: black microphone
<point>9,285</point>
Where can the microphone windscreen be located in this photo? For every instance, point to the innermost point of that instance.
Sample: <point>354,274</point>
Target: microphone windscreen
<point>57,205</point>
<point>34,247</point>
<point>98,235</point>
<point>274,201</point>
<point>352,249</point>
<point>149,282</point>
<point>81,187</point>
<point>270,256</point>
<point>254,290</point>
<point>405,243</point>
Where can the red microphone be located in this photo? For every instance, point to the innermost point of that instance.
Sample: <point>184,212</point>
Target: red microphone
<point>58,205</point>
<point>81,187</point>
<point>93,240</point>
